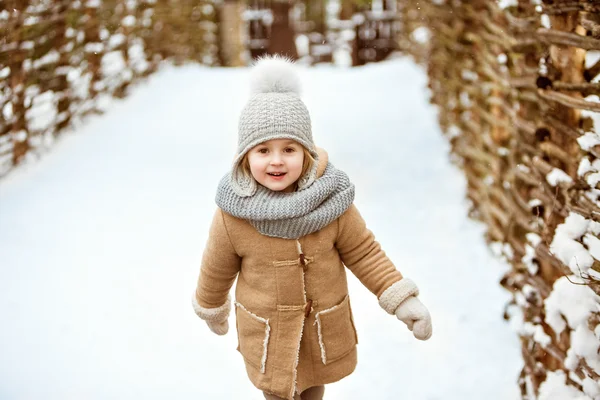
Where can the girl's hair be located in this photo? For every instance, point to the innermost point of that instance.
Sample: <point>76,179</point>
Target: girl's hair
<point>307,164</point>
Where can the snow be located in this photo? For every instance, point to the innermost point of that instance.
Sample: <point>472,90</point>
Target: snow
<point>43,111</point>
<point>31,20</point>
<point>137,57</point>
<point>421,35</point>
<point>27,45</point>
<point>593,98</point>
<point>589,171</point>
<point>591,387</point>
<point>7,111</point>
<point>573,227</point>
<point>79,84</point>
<point>49,58</point>
<point>94,47</point>
<point>114,70</point>
<point>567,248</point>
<point>557,176</point>
<point>585,166</point>
<point>101,242</point>
<point>555,387</point>
<point>128,21</point>
<point>529,257</point>
<point>104,34</point>
<point>585,345</point>
<point>116,40</point>
<point>570,302</point>
<point>588,140</point>
<point>593,245</point>
<point>591,58</point>
<point>507,3</point>
<point>545,20</point>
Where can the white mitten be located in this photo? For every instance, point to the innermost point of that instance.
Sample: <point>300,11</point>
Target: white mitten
<point>400,299</point>
<point>220,328</point>
<point>216,318</point>
<point>416,317</point>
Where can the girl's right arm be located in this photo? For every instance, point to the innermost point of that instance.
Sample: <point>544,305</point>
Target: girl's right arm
<point>219,269</point>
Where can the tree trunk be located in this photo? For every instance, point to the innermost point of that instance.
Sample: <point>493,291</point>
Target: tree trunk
<point>230,32</point>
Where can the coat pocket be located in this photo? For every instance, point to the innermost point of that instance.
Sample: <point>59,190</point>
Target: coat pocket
<point>335,328</point>
<point>253,336</point>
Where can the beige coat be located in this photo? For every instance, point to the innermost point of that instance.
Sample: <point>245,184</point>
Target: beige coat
<point>293,314</point>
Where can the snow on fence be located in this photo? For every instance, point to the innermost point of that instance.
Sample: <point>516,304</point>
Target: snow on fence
<point>61,59</point>
<point>517,85</point>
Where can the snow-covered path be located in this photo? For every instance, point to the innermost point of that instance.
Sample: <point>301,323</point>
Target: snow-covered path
<point>101,240</point>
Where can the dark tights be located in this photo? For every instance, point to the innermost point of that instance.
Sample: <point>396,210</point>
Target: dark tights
<point>312,393</point>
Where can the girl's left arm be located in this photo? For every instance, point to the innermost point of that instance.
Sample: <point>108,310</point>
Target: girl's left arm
<point>362,254</point>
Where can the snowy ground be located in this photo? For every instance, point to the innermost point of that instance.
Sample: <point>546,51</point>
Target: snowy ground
<point>101,241</point>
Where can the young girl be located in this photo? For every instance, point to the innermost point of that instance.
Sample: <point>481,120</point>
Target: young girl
<point>285,227</point>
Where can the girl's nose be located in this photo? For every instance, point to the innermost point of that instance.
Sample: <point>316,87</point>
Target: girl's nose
<point>276,159</point>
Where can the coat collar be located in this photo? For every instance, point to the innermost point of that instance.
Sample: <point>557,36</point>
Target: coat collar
<point>323,159</point>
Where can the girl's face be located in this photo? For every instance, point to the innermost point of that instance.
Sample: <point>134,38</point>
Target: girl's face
<point>277,164</point>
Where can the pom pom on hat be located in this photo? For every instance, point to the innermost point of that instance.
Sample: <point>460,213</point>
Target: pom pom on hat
<point>275,74</point>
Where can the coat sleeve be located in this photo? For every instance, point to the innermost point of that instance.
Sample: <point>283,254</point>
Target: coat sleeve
<point>220,267</point>
<point>362,254</point>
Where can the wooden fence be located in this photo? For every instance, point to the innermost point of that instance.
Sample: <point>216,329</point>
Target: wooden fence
<point>61,59</point>
<point>516,83</point>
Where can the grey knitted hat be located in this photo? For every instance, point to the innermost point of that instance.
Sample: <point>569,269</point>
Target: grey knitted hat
<point>274,111</point>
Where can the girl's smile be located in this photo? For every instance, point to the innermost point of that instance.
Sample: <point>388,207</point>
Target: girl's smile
<point>276,175</point>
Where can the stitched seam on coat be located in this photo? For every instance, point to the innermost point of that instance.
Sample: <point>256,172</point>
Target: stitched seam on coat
<point>294,386</point>
<point>289,308</point>
<point>321,344</point>
<point>285,263</point>
<point>283,307</point>
<point>318,323</point>
<point>312,359</point>
<point>277,340</point>
<point>263,361</point>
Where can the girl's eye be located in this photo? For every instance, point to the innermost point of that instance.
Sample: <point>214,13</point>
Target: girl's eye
<point>289,150</point>
<point>262,151</point>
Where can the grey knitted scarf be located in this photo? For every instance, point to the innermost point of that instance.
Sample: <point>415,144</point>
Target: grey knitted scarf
<point>291,215</point>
